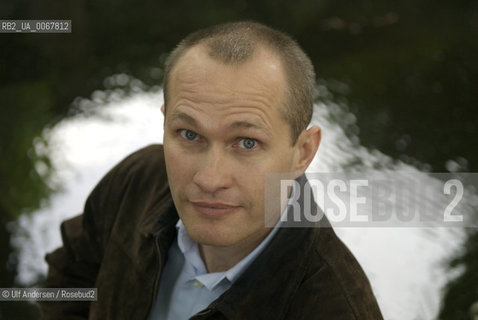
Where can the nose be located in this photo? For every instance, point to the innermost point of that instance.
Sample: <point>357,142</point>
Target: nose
<point>214,171</point>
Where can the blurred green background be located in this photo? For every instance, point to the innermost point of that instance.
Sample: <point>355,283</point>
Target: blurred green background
<point>407,69</point>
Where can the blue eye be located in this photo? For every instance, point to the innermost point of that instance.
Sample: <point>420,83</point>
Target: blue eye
<point>188,134</point>
<point>247,143</point>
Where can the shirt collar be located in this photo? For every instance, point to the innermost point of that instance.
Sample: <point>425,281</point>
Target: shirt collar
<point>190,250</point>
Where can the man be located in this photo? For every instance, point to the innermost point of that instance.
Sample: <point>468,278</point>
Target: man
<point>179,231</point>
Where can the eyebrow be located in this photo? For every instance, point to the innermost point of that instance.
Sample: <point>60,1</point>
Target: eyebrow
<point>246,125</point>
<point>181,116</point>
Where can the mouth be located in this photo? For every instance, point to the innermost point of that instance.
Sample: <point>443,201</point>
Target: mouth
<point>214,209</point>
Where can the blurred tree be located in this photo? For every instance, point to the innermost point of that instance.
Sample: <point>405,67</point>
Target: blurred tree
<point>24,113</point>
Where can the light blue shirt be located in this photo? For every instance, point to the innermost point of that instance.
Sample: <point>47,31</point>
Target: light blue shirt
<point>186,287</point>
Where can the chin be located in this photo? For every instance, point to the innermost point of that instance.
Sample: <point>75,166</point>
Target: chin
<point>213,236</point>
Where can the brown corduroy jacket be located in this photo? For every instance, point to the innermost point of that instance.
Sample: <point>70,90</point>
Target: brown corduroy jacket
<point>120,244</point>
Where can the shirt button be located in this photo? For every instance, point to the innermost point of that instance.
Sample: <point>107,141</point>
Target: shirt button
<point>198,284</point>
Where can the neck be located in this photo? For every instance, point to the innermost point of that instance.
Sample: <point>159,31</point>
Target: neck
<point>219,259</point>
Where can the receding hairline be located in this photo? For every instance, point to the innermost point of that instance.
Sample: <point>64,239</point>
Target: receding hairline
<point>258,50</point>
<point>247,34</point>
<point>200,48</point>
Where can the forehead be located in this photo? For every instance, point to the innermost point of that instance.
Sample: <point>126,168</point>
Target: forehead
<point>261,77</point>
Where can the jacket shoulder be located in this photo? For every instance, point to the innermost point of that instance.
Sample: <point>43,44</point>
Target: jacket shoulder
<point>145,159</point>
<point>141,164</point>
<point>134,177</point>
<point>338,286</point>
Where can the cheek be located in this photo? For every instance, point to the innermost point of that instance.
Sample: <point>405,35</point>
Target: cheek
<point>177,165</point>
<point>250,182</point>
<point>252,178</point>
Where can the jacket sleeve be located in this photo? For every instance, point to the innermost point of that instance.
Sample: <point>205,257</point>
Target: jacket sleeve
<point>75,265</point>
<point>77,262</point>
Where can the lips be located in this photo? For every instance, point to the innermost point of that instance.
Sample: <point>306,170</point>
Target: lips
<point>214,209</point>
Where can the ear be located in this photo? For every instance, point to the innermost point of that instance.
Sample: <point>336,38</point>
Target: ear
<point>307,145</point>
<point>162,109</point>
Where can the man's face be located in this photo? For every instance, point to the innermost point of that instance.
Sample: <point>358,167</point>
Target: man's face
<point>223,132</point>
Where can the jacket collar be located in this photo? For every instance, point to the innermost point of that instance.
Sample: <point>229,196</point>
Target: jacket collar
<point>160,213</point>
